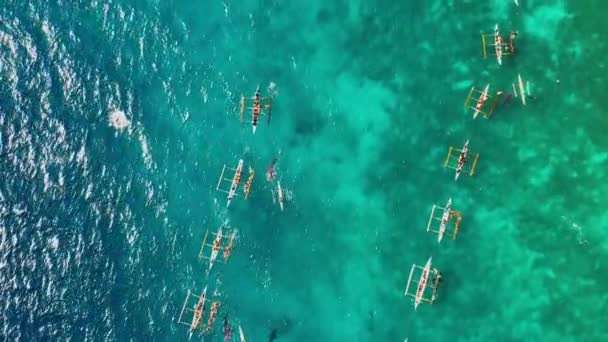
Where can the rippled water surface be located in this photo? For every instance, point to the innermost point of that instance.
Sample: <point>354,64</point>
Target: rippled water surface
<point>116,118</point>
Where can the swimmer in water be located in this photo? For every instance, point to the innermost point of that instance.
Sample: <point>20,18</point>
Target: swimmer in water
<point>273,335</point>
<point>508,98</point>
<point>271,172</point>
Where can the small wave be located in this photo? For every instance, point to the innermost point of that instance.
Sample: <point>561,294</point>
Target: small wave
<point>145,150</point>
<point>272,89</point>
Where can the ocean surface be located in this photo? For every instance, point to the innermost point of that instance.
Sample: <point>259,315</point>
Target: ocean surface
<point>116,118</point>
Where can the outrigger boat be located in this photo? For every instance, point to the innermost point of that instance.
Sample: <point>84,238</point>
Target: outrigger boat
<point>198,310</point>
<point>212,316</point>
<point>422,284</point>
<point>280,195</point>
<point>216,246</point>
<point>522,91</point>
<point>234,181</point>
<point>481,98</point>
<point>259,106</point>
<point>498,45</point>
<point>461,161</point>
<point>448,216</point>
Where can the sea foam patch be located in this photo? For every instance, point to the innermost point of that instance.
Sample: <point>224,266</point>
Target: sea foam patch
<point>118,119</point>
<point>544,22</point>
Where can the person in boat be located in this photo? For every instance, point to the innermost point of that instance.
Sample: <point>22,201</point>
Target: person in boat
<point>462,160</point>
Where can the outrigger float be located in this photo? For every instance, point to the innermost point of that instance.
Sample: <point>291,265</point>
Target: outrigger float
<point>281,195</point>
<point>197,309</point>
<point>223,232</point>
<point>241,334</point>
<point>481,98</point>
<point>234,182</point>
<point>258,105</point>
<point>520,87</point>
<point>461,160</point>
<point>419,294</point>
<point>447,218</point>
<point>501,48</point>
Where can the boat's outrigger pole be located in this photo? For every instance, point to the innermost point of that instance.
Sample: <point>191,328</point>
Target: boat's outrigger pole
<point>459,160</point>
<point>477,101</point>
<point>419,293</point>
<point>258,106</point>
<point>447,218</point>
<point>218,244</point>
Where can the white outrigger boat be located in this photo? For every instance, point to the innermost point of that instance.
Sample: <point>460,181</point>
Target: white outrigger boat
<point>280,195</point>
<point>422,284</point>
<point>481,97</point>
<point>481,101</point>
<point>198,311</point>
<point>499,45</point>
<point>461,161</point>
<point>234,181</point>
<point>259,106</point>
<point>215,248</point>
<point>217,245</point>
<point>448,216</point>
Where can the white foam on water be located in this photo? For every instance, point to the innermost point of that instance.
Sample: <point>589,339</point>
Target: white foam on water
<point>53,242</point>
<point>145,150</point>
<point>118,119</point>
<point>204,94</point>
<point>576,228</point>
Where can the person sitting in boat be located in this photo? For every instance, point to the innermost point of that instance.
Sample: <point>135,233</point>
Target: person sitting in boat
<point>462,160</point>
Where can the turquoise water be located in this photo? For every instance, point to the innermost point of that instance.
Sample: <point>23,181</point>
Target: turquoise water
<point>100,227</point>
